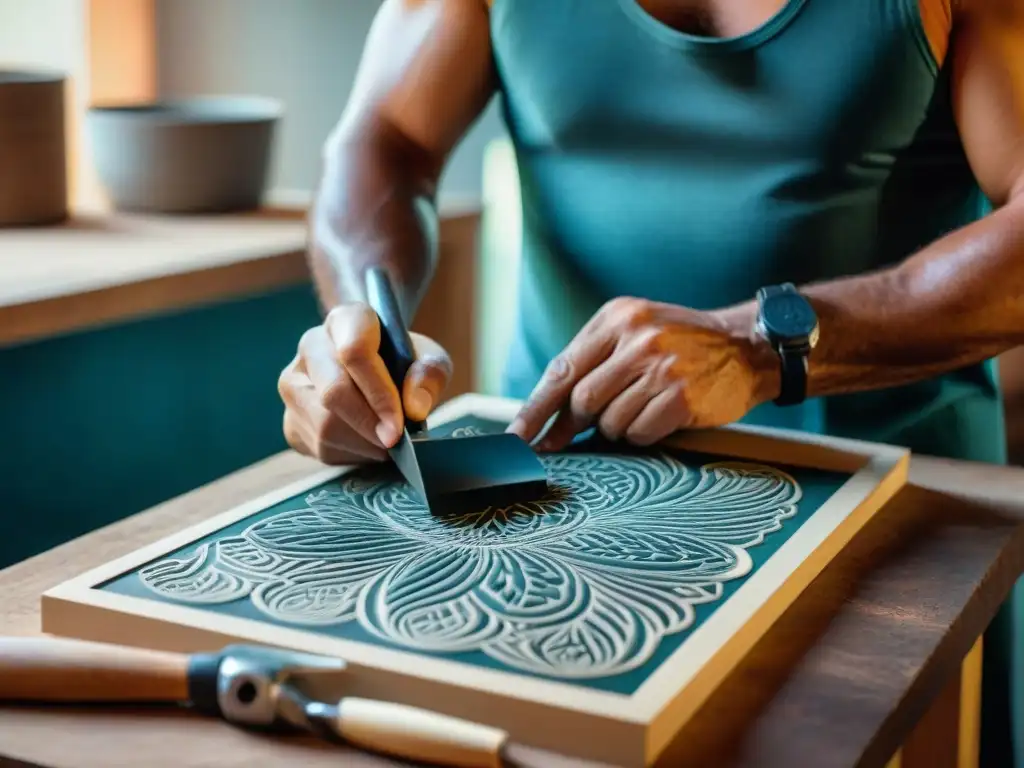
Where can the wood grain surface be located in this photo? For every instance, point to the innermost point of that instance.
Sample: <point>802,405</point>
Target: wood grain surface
<point>100,269</point>
<point>842,680</point>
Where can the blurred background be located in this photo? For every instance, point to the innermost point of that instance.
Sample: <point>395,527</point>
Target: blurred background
<point>152,273</point>
<point>152,283</point>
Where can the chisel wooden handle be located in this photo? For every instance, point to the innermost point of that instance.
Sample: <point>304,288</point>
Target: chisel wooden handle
<point>55,670</point>
<point>419,735</point>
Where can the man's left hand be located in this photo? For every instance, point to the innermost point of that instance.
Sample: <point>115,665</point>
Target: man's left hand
<point>641,370</point>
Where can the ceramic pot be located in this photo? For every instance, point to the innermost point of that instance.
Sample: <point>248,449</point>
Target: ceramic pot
<point>33,151</point>
<point>199,155</point>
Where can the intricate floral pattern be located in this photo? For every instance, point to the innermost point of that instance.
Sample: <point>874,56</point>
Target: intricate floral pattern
<point>585,584</point>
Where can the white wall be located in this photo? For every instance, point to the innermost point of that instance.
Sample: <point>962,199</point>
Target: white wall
<point>43,33</point>
<point>52,35</point>
<point>303,52</point>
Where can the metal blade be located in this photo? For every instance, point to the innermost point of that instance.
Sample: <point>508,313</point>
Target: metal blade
<point>404,456</point>
<point>466,474</point>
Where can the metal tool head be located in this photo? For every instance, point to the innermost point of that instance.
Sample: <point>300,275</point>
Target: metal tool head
<point>458,475</point>
<point>246,684</point>
<point>265,689</point>
<point>452,475</point>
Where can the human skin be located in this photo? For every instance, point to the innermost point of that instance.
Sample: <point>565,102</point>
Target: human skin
<point>639,370</point>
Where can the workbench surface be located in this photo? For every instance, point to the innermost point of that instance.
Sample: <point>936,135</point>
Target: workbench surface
<point>857,668</point>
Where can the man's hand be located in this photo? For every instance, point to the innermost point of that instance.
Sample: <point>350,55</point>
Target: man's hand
<point>641,370</point>
<point>341,406</point>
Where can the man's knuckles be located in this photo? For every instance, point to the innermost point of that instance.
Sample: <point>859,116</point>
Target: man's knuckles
<point>352,315</point>
<point>432,374</point>
<point>561,369</point>
<point>357,353</point>
<point>354,331</point>
<point>647,342</point>
<point>340,395</point>
<point>627,313</point>
<point>585,402</point>
<point>286,385</point>
<point>293,435</point>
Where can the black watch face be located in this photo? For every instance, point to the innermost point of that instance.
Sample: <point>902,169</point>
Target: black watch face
<point>789,315</point>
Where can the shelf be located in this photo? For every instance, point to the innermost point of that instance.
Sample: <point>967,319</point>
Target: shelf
<point>103,268</point>
<point>99,269</point>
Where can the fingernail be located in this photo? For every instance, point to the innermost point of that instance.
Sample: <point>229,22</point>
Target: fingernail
<point>420,401</point>
<point>517,427</point>
<point>387,434</point>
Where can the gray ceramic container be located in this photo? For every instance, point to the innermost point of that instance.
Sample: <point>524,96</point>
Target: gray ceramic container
<point>209,154</point>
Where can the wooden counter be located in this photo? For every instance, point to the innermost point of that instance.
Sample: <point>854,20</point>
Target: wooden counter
<point>101,269</point>
<point>98,270</point>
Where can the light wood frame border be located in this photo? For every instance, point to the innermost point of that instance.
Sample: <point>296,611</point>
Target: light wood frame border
<point>629,730</point>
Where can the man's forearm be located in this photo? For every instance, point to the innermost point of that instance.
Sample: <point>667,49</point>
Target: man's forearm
<point>957,302</point>
<point>375,207</point>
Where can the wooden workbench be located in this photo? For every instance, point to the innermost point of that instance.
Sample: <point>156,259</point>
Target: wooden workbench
<point>867,661</point>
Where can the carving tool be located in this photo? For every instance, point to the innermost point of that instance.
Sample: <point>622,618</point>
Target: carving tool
<point>453,475</point>
<point>248,686</point>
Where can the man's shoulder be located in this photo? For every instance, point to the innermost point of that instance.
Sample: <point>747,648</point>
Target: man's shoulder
<point>937,18</point>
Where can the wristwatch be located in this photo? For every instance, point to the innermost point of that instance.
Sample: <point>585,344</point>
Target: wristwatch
<point>789,323</point>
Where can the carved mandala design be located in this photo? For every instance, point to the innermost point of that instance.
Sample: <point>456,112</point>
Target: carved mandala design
<point>582,585</point>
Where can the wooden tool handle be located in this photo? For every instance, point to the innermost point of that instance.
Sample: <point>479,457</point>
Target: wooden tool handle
<point>415,734</point>
<point>56,670</point>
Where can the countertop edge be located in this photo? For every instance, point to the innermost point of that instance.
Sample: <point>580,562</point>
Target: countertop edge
<point>227,274</point>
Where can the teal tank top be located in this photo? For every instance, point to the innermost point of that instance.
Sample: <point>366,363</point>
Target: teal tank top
<point>694,170</point>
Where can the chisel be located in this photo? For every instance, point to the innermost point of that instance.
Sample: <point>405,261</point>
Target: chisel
<point>248,686</point>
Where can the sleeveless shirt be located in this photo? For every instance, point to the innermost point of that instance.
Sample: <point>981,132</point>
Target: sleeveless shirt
<point>695,170</point>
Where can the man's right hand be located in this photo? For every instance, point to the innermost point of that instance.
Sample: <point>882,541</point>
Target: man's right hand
<point>341,406</point>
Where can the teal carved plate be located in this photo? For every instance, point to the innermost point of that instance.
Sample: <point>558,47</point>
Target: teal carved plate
<point>594,622</point>
<point>594,586</point>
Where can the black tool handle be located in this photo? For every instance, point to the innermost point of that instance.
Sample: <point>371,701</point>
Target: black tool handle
<point>396,347</point>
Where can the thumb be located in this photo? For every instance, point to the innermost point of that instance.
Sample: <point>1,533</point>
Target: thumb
<point>427,378</point>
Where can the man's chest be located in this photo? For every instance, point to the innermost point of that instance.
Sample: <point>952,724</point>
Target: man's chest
<point>831,80</point>
<point>795,120</point>
<point>713,18</point>
<point>735,18</point>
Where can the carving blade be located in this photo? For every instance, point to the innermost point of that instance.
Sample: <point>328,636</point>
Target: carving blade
<point>404,456</point>
<point>454,475</point>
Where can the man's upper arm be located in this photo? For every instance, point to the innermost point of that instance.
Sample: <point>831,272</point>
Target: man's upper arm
<point>426,71</point>
<point>988,93</point>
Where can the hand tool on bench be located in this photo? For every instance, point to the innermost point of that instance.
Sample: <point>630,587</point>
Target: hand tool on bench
<point>453,475</point>
<point>248,686</point>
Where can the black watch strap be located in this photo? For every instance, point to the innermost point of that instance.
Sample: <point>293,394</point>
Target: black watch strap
<point>793,353</point>
<point>793,380</point>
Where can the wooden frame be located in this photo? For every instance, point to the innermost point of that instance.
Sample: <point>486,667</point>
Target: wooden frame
<point>625,729</point>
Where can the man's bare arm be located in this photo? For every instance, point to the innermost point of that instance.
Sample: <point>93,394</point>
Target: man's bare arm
<point>425,77</point>
<point>960,300</point>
